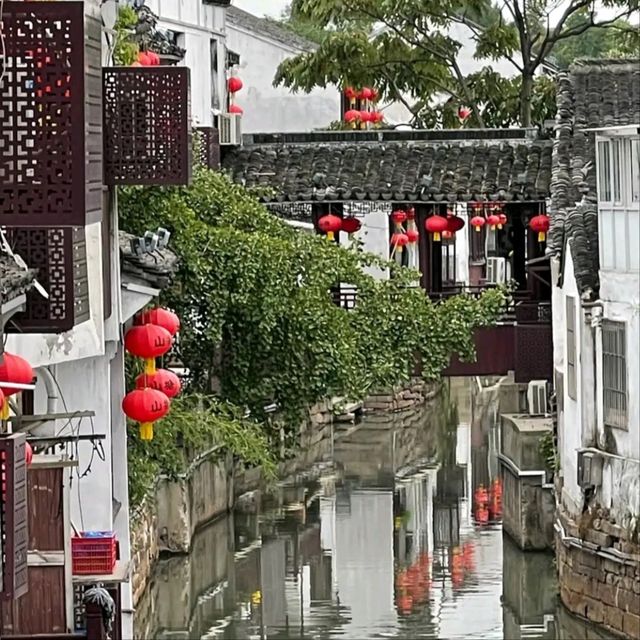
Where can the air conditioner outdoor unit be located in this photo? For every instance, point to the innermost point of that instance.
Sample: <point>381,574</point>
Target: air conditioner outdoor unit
<point>537,398</point>
<point>496,270</point>
<point>589,470</point>
<point>230,129</point>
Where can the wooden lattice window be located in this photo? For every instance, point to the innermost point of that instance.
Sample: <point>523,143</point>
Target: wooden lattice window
<point>571,347</point>
<point>614,370</point>
<point>477,244</point>
<point>449,261</point>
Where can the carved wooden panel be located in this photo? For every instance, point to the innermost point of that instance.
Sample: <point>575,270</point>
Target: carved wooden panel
<point>42,111</point>
<point>58,254</point>
<point>13,514</point>
<point>209,147</point>
<point>147,125</point>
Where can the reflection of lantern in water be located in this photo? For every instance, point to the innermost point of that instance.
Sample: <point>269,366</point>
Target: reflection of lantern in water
<point>404,604</point>
<point>457,567</point>
<point>468,559</point>
<point>495,506</point>
<point>482,515</point>
<point>481,497</point>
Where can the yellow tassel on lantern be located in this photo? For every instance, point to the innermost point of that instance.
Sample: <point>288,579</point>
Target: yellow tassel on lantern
<point>150,366</point>
<point>477,229</point>
<point>436,236</point>
<point>330,235</point>
<point>4,412</point>
<point>146,431</point>
<point>541,236</point>
<point>256,597</point>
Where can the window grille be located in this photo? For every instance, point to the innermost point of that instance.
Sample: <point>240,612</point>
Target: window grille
<point>614,368</point>
<point>571,347</point>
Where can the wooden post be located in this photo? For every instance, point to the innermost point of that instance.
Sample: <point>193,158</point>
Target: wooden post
<point>95,625</point>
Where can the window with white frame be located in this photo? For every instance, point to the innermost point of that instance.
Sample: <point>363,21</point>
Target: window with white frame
<point>618,170</point>
<point>614,373</point>
<point>571,347</point>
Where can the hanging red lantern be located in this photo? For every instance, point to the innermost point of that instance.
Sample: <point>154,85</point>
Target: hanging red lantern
<point>144,59</point>
<point>365,116</point>
<point>162,380</point>
<point>237,109</point>
<point>160,317</point>
<point>411,213</point>
<point>350,93</point>
<point>14,369</point>
<point>154,58</point>
<point>503,220</point>
<point>493,221</point>
<point>436,225</point>
<point>399,217</point>
<point>447,235</point>
<point>540,224</point>
<point>413,235</point>
<point>330,225</point>
<point>148,341</point>
<point>28,454</point>
<point>375,94</point>
<point>146,406</point>
<point>398,241</point>
<point>351,225</point>
<point>352,116</point>
<point>235,84</point>
<point>463,113</point>
<point>366,93</point>
<point>454,223</point>
<point>477,222</point>
<point>377,116</point>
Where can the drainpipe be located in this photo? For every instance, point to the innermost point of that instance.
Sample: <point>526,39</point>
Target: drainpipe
<point>52,389</point>
<point>596,325</point>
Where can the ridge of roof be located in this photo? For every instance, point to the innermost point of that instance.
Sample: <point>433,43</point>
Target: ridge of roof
<point>269,28</point>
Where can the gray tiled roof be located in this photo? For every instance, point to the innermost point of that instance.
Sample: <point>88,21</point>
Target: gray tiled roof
<point>595,93</point>
<point>158,269</point>
<point>396,171</point>
<point>268,27</point>
<point>14,280</point>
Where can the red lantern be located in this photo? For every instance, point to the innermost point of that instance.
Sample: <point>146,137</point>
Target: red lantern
<point>413,235</point>
<point>398,241</point>
<point>235,84</point>
<point>447,235</point>
<point>154,58</point>
<point>374,94</point>
<point>146,406</point>
<point>366,93</point>
<point>540,224</point>
<point>454,223</point>
<point>436,225</point>
<point>352,116</point>
<point>237,109</point>
<point>365,116</point>
<point>463,113</point>
<point>160,317</point>
<point>330,225</point>
<point>377,116</point>
<point>411,213</point>
<point>148,341</point>
<point>351,225</point>
<point>503,220</point>
<point>144,59</point>
<point>350,93</point>
<point>477,222</point>
<point>162,380</point>
<point>493,221</point>
<point>399,217</point>
<point>13,369</point>
<point>28,453</point>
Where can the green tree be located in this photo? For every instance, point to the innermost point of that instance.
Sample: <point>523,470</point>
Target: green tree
<point>403,47</point>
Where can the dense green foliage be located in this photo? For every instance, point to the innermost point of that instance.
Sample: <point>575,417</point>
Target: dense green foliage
<point>125,50</point>
<point>407,50</point>
<point>259,321</point>
<point>196,423</point>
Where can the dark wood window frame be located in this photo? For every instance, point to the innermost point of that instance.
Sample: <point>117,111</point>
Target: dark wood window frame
<point>614,374</point>
<point>570,321</point>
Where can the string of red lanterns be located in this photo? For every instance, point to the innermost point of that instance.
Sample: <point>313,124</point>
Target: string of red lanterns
<point>13,369</point>
<point>151,337</point>
<point>147,59</point>
<point>368,96</point>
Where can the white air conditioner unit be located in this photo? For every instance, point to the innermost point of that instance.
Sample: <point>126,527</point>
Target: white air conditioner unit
<point>496,270</point>
<point>589,470</point>
<point>230,129</point>
<point>537,398</point>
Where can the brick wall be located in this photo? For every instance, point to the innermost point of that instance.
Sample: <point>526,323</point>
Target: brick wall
<point>604,591</point>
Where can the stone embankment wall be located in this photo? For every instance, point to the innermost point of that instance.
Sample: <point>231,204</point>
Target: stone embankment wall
<point>599,572</point>
<point>174,509</point>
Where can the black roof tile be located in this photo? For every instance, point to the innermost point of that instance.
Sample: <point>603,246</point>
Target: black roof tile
<point>413,170</point>
<point>595,93</point>
<point>158,269</point>
<point>14,280</point>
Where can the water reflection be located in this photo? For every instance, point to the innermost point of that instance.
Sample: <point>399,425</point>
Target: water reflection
<point>403,540</point>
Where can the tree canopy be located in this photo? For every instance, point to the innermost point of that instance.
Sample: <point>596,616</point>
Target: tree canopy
<point>405,48</point>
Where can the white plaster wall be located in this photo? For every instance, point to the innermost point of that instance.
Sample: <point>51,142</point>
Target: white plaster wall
<point>374,235</point>
<point>84,340</point>
<point>557,316</point>
<point>462,246</point>
<point>199,24</point>
<point>276,109</point>
<point>620,293</point>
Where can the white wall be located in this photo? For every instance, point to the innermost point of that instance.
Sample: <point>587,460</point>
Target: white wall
<point>276,109</point>
<point>374,235</point>
<point>200,24</point>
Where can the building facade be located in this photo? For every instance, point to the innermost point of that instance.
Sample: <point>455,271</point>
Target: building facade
<point>594,243</point>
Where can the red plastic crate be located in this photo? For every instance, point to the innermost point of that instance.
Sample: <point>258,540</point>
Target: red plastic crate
<point>94,553</point>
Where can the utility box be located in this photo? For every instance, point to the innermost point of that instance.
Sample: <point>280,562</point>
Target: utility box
<point>589,470</point>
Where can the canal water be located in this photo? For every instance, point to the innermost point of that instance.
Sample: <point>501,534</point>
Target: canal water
<point>396,535</point>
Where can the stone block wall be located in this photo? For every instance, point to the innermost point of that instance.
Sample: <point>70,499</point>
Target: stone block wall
<point>595,584</point>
